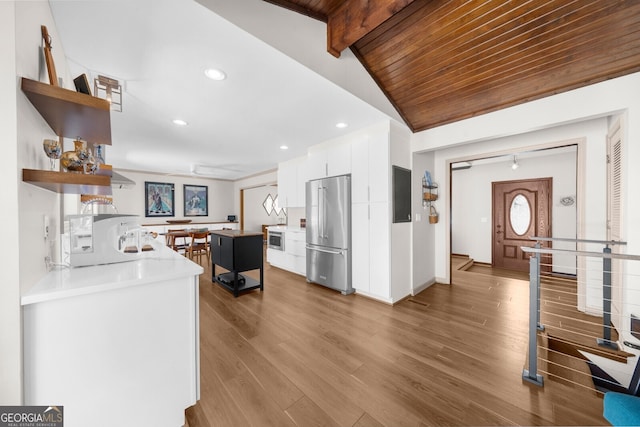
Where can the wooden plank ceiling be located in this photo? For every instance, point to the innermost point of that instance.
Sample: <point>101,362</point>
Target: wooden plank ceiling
<point>443,61</point>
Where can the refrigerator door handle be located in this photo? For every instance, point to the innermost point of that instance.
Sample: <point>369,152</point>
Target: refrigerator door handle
<point>326,251</point>
<point>320,223</point>
<point>324,213</point>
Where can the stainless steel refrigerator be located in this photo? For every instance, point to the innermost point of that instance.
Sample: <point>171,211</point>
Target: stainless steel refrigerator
<point>328,223</point>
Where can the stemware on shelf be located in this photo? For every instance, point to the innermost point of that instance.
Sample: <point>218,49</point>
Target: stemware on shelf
<point>53,150</point>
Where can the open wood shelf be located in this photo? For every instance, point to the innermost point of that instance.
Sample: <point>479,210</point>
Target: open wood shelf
<point>71,114</point>
<point>68,182</point>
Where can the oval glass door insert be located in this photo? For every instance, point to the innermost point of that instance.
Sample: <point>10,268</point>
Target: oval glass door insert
<point>520,214</point>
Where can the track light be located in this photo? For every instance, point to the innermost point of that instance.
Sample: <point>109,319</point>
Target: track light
<point>515,164</point>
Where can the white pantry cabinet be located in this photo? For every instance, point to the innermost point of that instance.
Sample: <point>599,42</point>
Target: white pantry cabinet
<point>370,214</point>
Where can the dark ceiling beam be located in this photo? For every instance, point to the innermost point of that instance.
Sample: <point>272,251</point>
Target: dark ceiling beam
<point>354,19</point>
<point>294,6</point>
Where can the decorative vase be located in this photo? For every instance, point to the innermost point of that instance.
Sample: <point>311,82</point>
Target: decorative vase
<point>74,161</point>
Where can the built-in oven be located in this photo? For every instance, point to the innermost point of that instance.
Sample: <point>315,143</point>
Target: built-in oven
<point>275,240</point>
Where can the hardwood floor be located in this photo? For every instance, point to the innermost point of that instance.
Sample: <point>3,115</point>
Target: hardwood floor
<point>300,354</point>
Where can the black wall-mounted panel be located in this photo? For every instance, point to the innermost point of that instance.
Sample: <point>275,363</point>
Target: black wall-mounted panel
<point>401,182</point>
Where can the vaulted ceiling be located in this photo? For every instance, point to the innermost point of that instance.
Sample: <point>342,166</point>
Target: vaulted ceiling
<point>442,61</point>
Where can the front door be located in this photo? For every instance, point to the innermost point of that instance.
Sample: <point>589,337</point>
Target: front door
<point>521,209</point>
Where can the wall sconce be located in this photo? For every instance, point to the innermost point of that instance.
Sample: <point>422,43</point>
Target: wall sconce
<point>515,164</point>
<point>109,89</point>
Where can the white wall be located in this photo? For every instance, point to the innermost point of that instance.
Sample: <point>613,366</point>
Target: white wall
<point>471,213</point>
<point>10,317</point>
<point>267,178</point>
<point>579,106</point>
<point>23,130</point>
<point>35,202</point>
<point>590,135</point>
<point>294,215</point>
<point>132,200</point>
<point>592,128</point>
<point>254,213</point>
<point>423,250</point>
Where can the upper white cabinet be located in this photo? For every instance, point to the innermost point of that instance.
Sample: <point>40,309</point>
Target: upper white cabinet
<point>370,168</point>
<point>291,180</point>
<point>329,159</point>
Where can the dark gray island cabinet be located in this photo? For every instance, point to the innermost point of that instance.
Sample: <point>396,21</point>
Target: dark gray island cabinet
<point>236,251</point>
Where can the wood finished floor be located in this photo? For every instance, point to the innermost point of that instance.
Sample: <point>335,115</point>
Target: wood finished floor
<point>300,354</point>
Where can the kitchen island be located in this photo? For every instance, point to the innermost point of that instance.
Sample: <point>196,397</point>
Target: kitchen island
<point>115,344</point>
<point>237,251</point>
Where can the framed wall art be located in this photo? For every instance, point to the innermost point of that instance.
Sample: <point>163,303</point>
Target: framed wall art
<point>196,200</point>
<point>159,199</point>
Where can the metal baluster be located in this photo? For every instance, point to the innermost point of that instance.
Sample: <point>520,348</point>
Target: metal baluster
<point>605,341</point>
<point>538,256</point>
<point>531,374</point>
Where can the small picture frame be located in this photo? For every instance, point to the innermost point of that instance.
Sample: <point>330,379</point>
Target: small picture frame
<point>196,200</point>
<point>159,199</point>
<point>82,84</point>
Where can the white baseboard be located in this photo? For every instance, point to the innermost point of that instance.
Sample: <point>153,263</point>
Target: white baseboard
<point>422,287</point>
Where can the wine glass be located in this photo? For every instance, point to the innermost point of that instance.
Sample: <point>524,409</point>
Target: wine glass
<point>53,149</point>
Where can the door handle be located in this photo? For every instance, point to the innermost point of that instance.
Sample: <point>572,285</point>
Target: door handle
<point>326,251</point>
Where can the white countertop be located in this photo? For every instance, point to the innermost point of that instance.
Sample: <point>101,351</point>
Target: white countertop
<point>65,282</point>
<point>284,228</point>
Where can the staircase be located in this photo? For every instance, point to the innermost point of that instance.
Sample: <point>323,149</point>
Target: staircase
<point>569,335</point>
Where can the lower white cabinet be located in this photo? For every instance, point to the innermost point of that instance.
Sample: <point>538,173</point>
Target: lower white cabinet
<point>294,256</point>
<point>370,240</point>
<point>115,344</point>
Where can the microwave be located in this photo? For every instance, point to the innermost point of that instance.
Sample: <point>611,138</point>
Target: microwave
<point>275,240</point>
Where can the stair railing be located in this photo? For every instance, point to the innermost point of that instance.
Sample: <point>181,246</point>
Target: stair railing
<point>530,373</point>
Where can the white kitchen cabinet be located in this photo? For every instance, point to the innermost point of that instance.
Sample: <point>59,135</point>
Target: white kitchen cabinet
<point>116,344</point>
<point>277,258</point>
<point>371,224</point>
<point>380,249</point>
<point>370,166</point>
<point>360,249</point>
<point>294,247</point>
<point>293,257</point>
<point>301,180</point>
<point>379,168</point>
<point>339,159</point>
<point>291,179</point>
<point>329,159</point>
<point>317,162</point>
<point>370,242</point>
<point>360,170</point>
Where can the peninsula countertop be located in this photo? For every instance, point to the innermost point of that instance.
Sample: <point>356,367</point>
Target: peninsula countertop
<point>64,282</point>
<point>236,233</point>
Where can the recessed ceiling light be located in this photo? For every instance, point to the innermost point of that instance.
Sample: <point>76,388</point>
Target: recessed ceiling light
<point>215,74</point>
<point>284,147</point>
<point>341,125</point>
<point>179,122</point>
